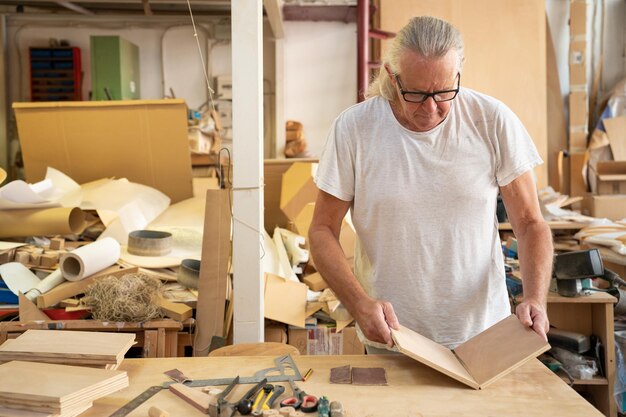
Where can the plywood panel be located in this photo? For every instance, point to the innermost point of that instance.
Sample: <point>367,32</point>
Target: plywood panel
<point>505,53</point>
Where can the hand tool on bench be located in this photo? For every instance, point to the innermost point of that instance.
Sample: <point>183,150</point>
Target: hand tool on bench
<point>283,363</point>
<point>299,397</point>
<point>222,403</point>
<point>244,406</point>
<point>265,399</point>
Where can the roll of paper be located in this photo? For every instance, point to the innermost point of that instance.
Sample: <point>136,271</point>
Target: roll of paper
<point>89,259</point>
<point>41,222</point>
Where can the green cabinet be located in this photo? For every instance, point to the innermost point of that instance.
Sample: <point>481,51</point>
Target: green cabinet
<point>114,69</point>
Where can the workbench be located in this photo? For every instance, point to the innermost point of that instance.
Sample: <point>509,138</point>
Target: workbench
<point>413,389</point>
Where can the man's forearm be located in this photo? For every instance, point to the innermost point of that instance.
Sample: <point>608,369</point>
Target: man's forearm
<point>535,253</point>
<point>332,264</point>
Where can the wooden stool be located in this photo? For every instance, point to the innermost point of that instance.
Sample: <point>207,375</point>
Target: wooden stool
<point>256,349</point>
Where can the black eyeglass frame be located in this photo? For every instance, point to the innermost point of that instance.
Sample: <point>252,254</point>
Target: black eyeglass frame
<point>427,95</point>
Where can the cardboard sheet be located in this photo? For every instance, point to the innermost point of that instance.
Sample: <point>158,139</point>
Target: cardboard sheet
<point>616,131</point>
<point>277,290</point>
<point>142,140</point>
<point>41,222</point>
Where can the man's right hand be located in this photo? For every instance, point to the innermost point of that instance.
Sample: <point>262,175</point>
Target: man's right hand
<point>375,317</point>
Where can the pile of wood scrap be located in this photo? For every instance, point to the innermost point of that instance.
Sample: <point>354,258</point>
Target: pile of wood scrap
<point>93,349</point>
<point>290,269</point>
<point>45,389</point>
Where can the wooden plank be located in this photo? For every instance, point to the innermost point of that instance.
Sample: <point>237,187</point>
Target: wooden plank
<point>195,397</point>
<point>150,344</point>
<point>160,343</point>
<point>38,387</point>
<point>557,125</point>
<point>176,311</point>
<point>213,270</point>
<point>69,345</point>
<point>510,66</point>
<point>616,131</point>
<point>72,288</point>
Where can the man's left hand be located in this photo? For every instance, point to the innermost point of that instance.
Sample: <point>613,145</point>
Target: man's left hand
<point>533,314</point>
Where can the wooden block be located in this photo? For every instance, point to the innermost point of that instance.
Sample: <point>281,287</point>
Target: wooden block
<point>196,398</point>
<point>34,259</point>
<point>176,311</point>
<point>72,288</point>
<point>69,302</point>
<point>7,256</point>
<point>57,243</point>
<point>315,282</point>
<point>22,257</point>
<point>48,260</point>
<point>29,311</point>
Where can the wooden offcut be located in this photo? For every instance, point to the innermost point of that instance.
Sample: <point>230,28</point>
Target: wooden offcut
<point>213,277</point>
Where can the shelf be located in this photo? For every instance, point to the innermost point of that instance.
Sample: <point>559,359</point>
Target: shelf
<point>55,74</point>
<point>596,380</point>
<point>553,225</point>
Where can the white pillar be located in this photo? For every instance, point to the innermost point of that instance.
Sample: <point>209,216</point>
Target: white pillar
<point>247,52</point>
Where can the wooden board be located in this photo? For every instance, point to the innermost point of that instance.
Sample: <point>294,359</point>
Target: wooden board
<point>98,346</point>
<point>505,53</point>
<point>38,387</point>
<point>213,270</point>
<point>481,360</point>
<point>432,354</point>
<point>500,349</point>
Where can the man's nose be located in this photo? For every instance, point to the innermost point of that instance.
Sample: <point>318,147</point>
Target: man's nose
<point>430,105</point>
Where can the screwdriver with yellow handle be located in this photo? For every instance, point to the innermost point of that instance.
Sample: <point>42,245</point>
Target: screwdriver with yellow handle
<point>266,397</point>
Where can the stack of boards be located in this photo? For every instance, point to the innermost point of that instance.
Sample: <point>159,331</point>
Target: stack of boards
<point>49,390</point>
<point>93,349</point>
<point>53,373</point>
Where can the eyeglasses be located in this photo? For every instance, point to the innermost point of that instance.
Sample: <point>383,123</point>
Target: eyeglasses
<point>422,96</point>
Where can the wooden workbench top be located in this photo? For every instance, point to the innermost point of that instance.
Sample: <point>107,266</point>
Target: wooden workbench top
<point>532,390</point>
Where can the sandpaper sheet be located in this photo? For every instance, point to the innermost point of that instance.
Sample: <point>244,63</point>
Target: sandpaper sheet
<point>369,376</point>
<point>341,375</point>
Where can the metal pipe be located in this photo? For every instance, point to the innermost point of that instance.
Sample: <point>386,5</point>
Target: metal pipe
<point>362,24</point>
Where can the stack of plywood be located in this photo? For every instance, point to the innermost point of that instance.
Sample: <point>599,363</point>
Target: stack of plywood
<point>93,349</point>
<point>45,389</point>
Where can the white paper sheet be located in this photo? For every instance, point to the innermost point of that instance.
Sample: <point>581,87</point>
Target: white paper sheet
<point>57,190</point>
<point>18,278</point>
<point>10,245</point>
<point>123,206</point>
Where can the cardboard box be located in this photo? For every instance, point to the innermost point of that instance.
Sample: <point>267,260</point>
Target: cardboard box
<point>324,340</point>
<point>612,207</point>
<point>611,177</point>
<point>276,332</point>
<point>144,141</point>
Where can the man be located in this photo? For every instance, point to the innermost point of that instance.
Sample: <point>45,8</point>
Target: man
<point>420,164</point>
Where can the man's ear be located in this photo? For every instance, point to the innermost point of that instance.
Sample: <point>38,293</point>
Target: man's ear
<point>389,72</point>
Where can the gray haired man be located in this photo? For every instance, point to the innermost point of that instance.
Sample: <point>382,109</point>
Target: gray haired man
<point>420,164</point>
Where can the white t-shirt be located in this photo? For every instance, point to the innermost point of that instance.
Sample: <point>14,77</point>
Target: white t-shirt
<point>424,209</point>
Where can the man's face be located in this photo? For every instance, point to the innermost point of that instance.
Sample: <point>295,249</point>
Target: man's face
<point>417,73</point>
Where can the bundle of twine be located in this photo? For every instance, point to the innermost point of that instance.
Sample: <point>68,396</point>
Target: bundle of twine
<point>131,298</point>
